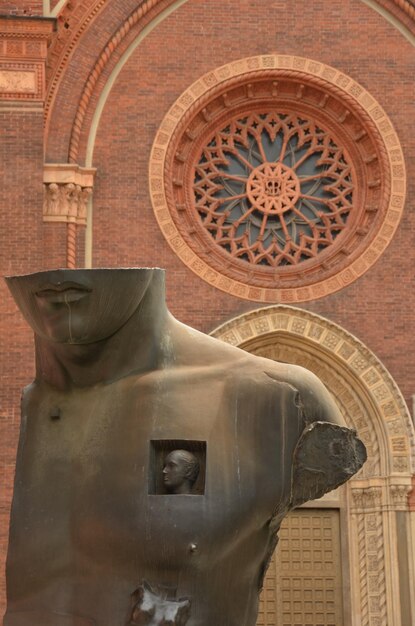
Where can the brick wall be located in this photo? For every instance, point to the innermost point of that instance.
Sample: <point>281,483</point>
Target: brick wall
<point>21,251</point>
<point>21,7</point>
<point>214,33</point>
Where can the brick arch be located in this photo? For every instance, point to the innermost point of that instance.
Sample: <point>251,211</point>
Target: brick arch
<point>91,38</point>
<point>367,394</point>
<point>402,10</point>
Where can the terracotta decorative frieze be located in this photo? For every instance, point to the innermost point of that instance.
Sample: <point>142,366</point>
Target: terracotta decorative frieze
<point>21,81</point>
<point>67,189</point>
<point>388,494</point>
<point>277,179</point>
<point>23,51</point>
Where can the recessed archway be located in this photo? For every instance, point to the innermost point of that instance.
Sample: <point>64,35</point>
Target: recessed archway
<point>376,499</point>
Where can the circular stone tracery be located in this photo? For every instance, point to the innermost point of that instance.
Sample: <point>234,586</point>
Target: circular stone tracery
<point>273,189</point>
<point>277,179</point>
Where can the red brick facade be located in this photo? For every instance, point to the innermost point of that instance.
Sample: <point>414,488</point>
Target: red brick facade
<point>84,53</point>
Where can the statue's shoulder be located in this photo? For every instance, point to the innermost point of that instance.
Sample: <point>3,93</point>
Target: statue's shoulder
<point>195,348</point>
<point>316,401</point>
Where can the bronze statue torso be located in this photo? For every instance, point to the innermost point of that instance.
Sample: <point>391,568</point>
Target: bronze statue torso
<point>95,462</point>
<point>95,540</point>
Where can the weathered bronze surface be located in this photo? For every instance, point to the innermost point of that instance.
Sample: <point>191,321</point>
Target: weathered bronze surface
<point>155,464</point>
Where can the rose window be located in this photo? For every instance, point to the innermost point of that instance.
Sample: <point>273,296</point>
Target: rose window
<point>277,179</point>
<point>273,188</point>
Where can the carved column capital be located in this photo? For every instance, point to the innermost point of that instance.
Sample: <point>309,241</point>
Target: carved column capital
<point>357,498</point>
<point>367,498</point>
<point>399,496</point>
<point>67,189</point>
<point>23,50</point>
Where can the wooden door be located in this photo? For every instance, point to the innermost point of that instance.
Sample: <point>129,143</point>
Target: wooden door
<point>303,586</point>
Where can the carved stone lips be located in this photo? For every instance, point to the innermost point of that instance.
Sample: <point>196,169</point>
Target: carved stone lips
<point>63,292</point>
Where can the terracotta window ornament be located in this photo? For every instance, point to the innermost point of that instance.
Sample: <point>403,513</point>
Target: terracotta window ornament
<point>277,179</point>
<point>273,189</point>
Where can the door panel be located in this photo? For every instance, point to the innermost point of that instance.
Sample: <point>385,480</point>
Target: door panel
<point>303,586</point>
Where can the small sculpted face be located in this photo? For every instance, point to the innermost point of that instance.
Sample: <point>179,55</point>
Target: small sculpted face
<point>180,471</point>
<point>79,306</point>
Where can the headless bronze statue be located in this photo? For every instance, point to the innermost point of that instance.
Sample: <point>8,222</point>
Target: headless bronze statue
<point>155,464</point>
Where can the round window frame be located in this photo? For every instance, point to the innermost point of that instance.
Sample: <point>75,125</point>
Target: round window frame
<point>222,257</point>
<point>196,249</point>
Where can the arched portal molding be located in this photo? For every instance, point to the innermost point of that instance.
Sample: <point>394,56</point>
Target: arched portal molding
<point>367,394</point>
<point>371,402</point>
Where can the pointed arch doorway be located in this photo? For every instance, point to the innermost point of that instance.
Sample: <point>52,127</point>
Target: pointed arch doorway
<point>349,558</point>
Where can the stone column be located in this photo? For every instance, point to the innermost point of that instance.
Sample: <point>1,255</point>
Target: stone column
<point>380,523</point>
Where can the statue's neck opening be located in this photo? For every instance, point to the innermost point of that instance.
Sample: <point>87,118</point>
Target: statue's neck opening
<point>135,347</point>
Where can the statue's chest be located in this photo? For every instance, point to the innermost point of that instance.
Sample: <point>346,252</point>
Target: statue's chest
<point>94,461</point>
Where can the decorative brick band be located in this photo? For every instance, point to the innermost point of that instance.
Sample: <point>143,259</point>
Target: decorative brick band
<point>185,187</point>
<point>407,7</point>
<point>74,20</point>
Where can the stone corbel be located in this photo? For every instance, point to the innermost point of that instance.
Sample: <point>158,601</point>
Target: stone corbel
<point>67,189</point>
